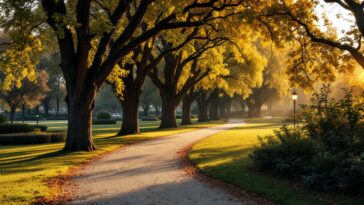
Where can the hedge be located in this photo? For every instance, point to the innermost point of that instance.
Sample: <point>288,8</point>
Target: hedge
<point>20,128</point>
<point>3,119</point>
<point>103,122</point>
<point>150,118</point>
<point>32,138</point>
<point>103,115</point>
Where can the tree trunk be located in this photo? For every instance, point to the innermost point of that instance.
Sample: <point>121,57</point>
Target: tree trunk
<point>169,104</point>
<point>79,132</point>
<point>130,104</point>
<point>214,106</point>
<point>202,103</point>
<point>214,110</point>
<point>186,108</point>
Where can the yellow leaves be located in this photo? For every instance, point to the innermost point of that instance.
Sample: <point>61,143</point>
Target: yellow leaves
<point>115,78</point>
<point>18,62</point>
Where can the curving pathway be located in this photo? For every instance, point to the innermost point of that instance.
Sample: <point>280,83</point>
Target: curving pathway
<point>150,173</point>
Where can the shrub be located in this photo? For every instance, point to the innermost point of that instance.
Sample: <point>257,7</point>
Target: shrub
<point>150,118</point>
<point>327,153</point>
<point>32,138</point>
<point>20,128</point>
<point>284,152</point>
<point>3,119</point>
<point>103,115</point>
<point>103,122</point>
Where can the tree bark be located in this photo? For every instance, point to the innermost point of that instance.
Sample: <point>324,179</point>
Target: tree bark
<point>202,103</point>
<point>130,104</point>
<point>186,108</point>
<point>214,110</point>
<point>169,104</point>
<point>214,106</point>
<point>80,107</point>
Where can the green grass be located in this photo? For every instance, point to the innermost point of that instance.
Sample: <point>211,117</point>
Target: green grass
<point>24,169</point>
<point>225,156</point>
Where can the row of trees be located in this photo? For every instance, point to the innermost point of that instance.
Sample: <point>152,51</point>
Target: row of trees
<point>205,50</point>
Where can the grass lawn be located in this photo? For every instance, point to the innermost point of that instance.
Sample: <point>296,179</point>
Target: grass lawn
<point>23,169</point>
<point>225,156</point>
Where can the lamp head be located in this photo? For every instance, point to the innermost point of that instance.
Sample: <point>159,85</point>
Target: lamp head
<point>294,95</point>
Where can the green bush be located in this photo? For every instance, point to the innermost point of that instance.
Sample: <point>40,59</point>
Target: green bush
<point>284,153</point>
<point>103,115</point>
<point>3,119</point>
<point>327,153</point>
<point>20,128</point>
<point>32,138</point>
<point>103,122</point>
<point>150,118</point>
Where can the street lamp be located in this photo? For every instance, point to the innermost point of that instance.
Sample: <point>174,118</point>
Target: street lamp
<point>294,98</point>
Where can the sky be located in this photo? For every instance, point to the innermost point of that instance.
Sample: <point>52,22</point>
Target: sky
<point>332,10</point>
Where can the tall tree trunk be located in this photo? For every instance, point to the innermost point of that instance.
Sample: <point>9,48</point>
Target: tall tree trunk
<point>130,104</point>
<point>186,108</point>
<point>169,104</point>
<point>80,107</point>
<point>214,106</point>
<point>202,104</point>
<point>131,100</point>
<point>214,110</point>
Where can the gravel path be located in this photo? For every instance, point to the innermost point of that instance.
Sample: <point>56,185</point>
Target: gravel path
<point>150,173</point>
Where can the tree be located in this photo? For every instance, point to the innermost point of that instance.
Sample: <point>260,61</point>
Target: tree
<point>184,69</point>
<point>94,36</point>
<point>187,101</point>
<point>316,51</point>
<point>137,69</point>
<point>29,95</point>
<point>50,63</point>
<point>275,80</point>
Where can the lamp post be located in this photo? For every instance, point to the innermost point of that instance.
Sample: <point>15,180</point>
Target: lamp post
<point>294,98</point>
